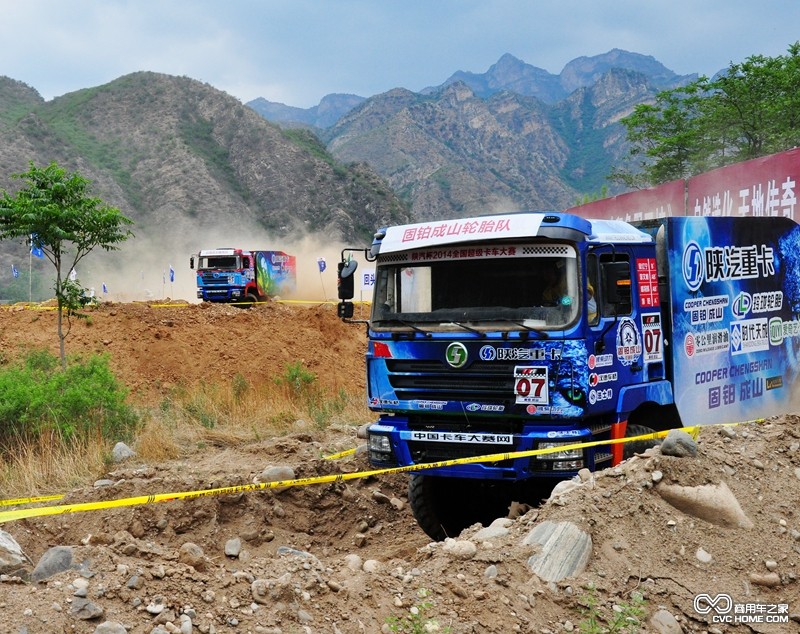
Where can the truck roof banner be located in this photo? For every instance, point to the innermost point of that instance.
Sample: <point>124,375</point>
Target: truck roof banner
<point>735,299</point>
<point>440,232</point>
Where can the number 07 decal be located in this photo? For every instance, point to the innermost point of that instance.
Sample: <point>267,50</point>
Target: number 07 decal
<point>530,385</point>
<point>652,336</point>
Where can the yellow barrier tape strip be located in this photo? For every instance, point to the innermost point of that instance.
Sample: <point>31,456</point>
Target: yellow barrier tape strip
<point>341,454</point>
<point>20,501</point>
<point>8,516</point>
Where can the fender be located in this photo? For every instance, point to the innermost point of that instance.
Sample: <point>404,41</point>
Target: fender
<point>630,398</point>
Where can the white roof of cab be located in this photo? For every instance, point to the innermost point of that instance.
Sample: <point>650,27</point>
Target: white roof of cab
<point>616,231</point>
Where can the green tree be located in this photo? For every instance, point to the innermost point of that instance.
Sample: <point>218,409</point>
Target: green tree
<point>750,110</point>
<point>54,211</point>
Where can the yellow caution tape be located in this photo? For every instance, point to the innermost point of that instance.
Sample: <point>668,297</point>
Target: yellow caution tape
<point>20,501</point>
<point>8,516</point>
<point>341,454</point>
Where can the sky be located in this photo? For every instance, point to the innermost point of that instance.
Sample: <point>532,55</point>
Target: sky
<point>297,51</point>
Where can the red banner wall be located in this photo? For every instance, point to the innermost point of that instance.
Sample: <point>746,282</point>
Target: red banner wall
<point>646,204</point>
<point>765,186</point>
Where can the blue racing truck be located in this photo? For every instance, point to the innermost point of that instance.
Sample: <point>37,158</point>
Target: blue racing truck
<point>524,331</point>
<point>243,276</point>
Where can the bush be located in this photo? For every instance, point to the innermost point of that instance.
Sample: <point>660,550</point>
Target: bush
<point>84,401</point>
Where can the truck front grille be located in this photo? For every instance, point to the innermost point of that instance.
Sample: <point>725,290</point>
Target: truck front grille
<point>484,382</point>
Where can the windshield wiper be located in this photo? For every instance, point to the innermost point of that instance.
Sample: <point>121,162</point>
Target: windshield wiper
<point>405,323</point>
<point>542,333</point>
<point>460,325</point>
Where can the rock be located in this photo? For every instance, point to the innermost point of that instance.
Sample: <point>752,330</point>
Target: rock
<point>769,579</point>
<point>459,548</point>
<point>703,556</point>
<point>192,555</point>
<point>679,443</point>
<point>663,622</point>
<point>85,610</point>
<point>12,560</point>
<point>110,627</point>
<point>233,547</point>
<point>122,452</point>
<point>277,474</point>
<point>714,503</point>
<point>372,565</point>
<point>55,560</point>
<point>565,550</point>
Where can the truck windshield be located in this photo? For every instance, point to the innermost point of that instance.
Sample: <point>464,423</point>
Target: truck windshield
<point>488,286</point>
<point>229,262</point>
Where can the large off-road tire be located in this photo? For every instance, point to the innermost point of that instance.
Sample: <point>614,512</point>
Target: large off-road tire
<point>638,446</point>
<point>443,507</point>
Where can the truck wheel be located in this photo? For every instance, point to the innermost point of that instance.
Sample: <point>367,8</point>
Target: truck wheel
<point>638,446</point>
<point>251,299</point>
<point>443,507</point>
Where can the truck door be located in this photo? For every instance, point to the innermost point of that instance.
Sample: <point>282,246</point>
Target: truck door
<point>615,334</point>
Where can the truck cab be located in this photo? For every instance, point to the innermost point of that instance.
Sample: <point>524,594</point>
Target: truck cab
<point>510,333</point>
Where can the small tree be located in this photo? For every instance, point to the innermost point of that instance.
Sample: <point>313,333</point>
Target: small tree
<point>56,213</point>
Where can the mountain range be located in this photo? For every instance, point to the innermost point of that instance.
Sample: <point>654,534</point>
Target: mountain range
<point>515,136</point>
<point>185,160</point>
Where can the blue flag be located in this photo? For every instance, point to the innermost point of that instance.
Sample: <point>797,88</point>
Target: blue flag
<point>14,271</point>
<point>171,274</point>
<point>36,248</point>
<point>321,263</point>
<point>105,288</point>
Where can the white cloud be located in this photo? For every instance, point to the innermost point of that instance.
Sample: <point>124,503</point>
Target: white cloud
<point>297,51</point>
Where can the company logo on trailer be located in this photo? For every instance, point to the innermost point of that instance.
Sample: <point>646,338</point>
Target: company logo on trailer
<point>693,266</point>
<point>741,305</point>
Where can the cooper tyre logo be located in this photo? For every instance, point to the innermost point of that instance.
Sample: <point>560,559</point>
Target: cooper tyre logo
<point>719,604</point>
<point>456,355</point>
<point>693,266</point>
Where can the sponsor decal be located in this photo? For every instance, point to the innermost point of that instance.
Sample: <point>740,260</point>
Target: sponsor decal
<point>706,342</point>
<point>483,407</point>
<point>705,310</point>
<point>647,276</point>
<point>600,360</point>
<point>595,396</point>
<point>605,377</point>
<point>692,266</point>
<point>767,302</point>
<point>490,353</point>
<point>749,335</point>
<point>432,405</point>
<point>741,305</point>
<point>458,437</point>
<point>774,382</point>
<point>456,355</point>
<point>629,343</point>
<point>566,433</point>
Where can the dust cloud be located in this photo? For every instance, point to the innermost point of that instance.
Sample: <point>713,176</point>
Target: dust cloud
<point>140,269</point>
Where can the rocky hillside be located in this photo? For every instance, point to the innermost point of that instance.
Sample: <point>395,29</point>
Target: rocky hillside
<point>180,157</point>
<point>514,137</point>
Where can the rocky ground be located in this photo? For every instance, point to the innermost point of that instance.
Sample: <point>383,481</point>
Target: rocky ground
<point>347,556</point>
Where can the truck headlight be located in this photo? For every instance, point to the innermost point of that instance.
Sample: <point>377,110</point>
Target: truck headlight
<point>380,448</point>
<point>569,460</point>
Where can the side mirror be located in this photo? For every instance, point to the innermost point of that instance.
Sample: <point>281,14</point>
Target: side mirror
<point>345,310</point>
<point>191,262</point>
<point>345,280</point>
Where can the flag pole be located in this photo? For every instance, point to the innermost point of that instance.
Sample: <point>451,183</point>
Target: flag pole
<point>30,274</point>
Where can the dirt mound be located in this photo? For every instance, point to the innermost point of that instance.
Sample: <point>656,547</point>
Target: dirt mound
<point>347,556</point>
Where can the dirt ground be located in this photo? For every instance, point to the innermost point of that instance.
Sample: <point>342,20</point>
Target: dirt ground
<point>346,556</point>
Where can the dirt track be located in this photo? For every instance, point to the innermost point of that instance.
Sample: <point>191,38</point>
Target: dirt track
<point>344,557</point>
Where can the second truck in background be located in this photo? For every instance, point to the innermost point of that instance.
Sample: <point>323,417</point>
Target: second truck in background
<point>231,275</point>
